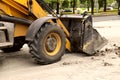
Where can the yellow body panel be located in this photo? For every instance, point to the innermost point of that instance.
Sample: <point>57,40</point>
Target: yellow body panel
<point>20,30</point>
<point>37,10</point>
<point>22,2</point>
<point>18,11</point>
<point>68,45</point>
<point>15,5</point>
<point>6,8</point>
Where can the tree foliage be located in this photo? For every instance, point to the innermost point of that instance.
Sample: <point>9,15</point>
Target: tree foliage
<point>65,4</point>
<point>77,3</point>
<point>100,2</point>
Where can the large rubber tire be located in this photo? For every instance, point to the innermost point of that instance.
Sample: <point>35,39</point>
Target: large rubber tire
<point>18,43</point>
<point>48,45</point>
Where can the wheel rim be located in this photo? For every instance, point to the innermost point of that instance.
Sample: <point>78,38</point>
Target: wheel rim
<point>52,44</point>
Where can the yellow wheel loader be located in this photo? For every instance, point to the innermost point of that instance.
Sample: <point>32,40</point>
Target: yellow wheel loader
<point>47,34</point>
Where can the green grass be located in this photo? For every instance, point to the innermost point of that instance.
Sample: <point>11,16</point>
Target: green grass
<point>100,13</point>
<point>108,12</point>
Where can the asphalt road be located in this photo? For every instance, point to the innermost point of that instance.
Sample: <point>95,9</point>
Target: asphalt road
<point>75,66</point>
<point>106,18</point>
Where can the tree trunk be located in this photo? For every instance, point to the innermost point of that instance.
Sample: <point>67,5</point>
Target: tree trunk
<point>88,5</point>
<point>57,7</point>
<point>118,7</point>
<point>105,5</point>
<point>74,6</point>
<point>92,7</point>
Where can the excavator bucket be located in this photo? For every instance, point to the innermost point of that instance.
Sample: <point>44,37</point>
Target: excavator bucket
<point>83,36</point>
<point>92,40</point>
<point>93,43</point>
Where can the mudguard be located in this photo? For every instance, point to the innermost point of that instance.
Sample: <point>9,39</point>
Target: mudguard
<point>35,26</point>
